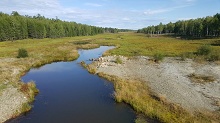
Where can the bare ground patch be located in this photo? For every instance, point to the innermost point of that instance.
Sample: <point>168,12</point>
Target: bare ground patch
<point>170,79</point>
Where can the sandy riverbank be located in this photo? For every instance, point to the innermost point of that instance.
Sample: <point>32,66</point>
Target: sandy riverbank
<point>171,79</point>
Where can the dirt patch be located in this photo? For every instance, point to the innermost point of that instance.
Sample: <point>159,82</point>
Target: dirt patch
<point>11,101</point>
<point>169,78</point>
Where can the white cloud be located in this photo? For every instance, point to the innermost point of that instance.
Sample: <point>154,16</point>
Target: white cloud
<point>185,18</point>
<point>158,11</point>
<point>126,19</point>
<point>94,13</point>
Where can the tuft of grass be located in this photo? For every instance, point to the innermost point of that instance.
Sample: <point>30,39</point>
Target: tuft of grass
<point>140,120</point>
<point>201,78</point>
<point>29,89</point>
<point>118,60</point>
<point>88,67</point>
<point>83,64</point>
<point>158,57</point>
<point>186,55</point>
<point>22,53</point>
<point>26,107</point>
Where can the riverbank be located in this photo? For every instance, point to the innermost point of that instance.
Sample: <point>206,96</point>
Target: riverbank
<point>44,51</point>
<point>16,96</point>
<point>171,91</point>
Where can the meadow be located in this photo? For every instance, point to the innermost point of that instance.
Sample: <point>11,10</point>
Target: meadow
<point>44,51</point>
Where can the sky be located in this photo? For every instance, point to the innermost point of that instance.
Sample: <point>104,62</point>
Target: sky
<point>123,14</point>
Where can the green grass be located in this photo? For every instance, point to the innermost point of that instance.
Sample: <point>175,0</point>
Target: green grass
<point>118,60</point>
<point>133,44</point>
<point>129,44</point>
<point>43,51</point>
<point>158,57</point>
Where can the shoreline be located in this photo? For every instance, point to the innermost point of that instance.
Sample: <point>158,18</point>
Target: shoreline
<point>16,95</point>
<point>168,82</point>
<point>49,50</point>
<point>13,87</point>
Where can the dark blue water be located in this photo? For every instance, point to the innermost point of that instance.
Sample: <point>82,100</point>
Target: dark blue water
<point>69,94</point>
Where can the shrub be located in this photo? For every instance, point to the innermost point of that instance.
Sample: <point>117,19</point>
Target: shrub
<point>204,50</point>
<point>22,53</point>
<point>158,57</point>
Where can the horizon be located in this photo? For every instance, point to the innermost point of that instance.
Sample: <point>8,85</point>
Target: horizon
<point>115,14</point>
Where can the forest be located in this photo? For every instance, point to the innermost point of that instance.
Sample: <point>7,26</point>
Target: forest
<point>196,28</point>
<point>17,27</point>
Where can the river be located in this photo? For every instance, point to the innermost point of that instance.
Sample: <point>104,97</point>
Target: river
<point>69,94</point>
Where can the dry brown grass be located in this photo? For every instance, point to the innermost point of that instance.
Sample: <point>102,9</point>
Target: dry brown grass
<point>201,78</point>
<point>40,52</point>
<point>154,106</point>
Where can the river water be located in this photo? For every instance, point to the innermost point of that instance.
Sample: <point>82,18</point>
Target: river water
<point>69,94</point>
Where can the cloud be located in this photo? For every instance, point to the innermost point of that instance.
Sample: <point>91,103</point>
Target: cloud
<point>93,4</point>
<point>96,14</point>
<point>158,11</point>
<point>185,18</point>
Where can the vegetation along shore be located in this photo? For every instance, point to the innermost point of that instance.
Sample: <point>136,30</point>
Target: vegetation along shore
<point>169,78</point>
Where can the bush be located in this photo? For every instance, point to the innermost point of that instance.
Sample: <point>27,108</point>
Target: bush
<point>22,53</point>
<point>204,50</point>
<point>158,57</point>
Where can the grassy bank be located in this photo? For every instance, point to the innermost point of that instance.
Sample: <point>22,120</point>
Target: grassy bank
<point>156,107</point>
<point>40,52</point>
<point>44,51</point>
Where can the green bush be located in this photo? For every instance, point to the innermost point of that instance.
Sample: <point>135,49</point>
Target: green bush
<point>204,50</point>
<point>158,57</point>
<point>22,53</point>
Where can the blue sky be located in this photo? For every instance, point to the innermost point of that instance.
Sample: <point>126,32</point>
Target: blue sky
<point>129,14</point>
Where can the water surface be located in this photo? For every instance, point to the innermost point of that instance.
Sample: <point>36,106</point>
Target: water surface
<point>69,94</point>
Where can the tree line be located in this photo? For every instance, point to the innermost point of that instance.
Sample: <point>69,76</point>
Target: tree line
<point>197,28</point>
<point>16,27</point>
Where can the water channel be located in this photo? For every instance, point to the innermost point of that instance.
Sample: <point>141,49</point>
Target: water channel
<point>69,94</point>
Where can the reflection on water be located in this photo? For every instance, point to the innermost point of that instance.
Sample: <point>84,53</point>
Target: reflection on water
<point>69,94</point>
